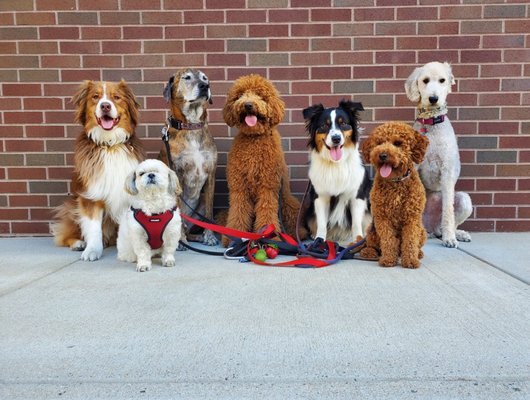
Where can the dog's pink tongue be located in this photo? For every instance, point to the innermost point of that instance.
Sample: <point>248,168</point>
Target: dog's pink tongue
<point>251,120</point>
<point>385,170</point>
<point>107,123</point>
<point>336,153</point>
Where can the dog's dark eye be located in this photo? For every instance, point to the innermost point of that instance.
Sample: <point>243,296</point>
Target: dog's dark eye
<point>426,80</point>
<point>442,80</point>
<point>345,127</point>
<point>398,143</point>
<point>116,97</point>
<point>141,173</point>
<point>187,77</point>
<point>95,97</point>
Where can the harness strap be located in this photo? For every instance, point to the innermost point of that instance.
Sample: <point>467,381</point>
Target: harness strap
<point>154,225</point>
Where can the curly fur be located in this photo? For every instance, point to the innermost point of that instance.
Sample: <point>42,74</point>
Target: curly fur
<point>256,171</point>
<point>428,87</point>
<point>397,197</point>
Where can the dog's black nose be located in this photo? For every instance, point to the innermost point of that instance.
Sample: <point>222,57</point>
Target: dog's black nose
<point>433,99</point>
<point>383,156</point>
<point>105,107</point>
<point>151,176</point>
<point>249,106</point>
<point>335,139</point>
<point>203,86</point>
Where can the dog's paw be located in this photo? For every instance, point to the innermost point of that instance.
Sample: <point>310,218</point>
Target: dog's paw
<point>412,263</point>
<point>370,253</point>
<point>386,261</point>
<point>91,254</point>
<point>143,267</point>
<point>78,245</point>
<point>450,242</point>
<point>463,236</point>
<point>168,261</point>
<point>420,254</point>
<point>209,239</point>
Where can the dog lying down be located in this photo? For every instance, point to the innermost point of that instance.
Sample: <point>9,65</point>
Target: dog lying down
<point>152,225</point>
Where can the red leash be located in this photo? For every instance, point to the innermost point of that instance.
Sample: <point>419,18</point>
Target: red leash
<point>268,233</point>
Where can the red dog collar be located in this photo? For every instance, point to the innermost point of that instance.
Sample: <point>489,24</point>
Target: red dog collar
<point>431,121</point>
<point>154,225</point>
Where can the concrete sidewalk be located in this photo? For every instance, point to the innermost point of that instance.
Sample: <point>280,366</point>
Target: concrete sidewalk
<point>210,328</point>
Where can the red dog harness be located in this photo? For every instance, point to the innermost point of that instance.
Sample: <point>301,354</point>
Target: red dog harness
<point>154,225</point>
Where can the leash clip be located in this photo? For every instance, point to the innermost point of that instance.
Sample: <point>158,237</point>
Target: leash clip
<point>164,131</point>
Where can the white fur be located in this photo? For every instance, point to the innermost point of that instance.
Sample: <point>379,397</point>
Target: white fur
<point>341,179</point>
<point>93,235</point>
<point>109,138</point>
<point>151,198</point>
<point>440,169</point>
<point>108,186</point>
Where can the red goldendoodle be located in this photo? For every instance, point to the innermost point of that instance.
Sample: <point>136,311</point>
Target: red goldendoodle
<point>257,175</point>
<point>397,197</point>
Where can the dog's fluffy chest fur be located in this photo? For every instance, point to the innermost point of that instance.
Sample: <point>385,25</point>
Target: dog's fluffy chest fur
<point>335,179</point>
<point>112,166</point>
<point>442,156</point>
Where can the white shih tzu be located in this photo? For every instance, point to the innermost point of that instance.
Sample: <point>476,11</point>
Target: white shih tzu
<point>152,225</point>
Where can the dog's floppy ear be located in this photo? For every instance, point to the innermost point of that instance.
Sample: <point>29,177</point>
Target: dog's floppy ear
<point>130,184</point>
<point>80,99</point>
<point>277,109</point>
<point>366,149</point>
<point>419,147</point>
<point>450,75</point>
<point>168,89</point>
<point>132,103</point>
<point>311,113</point>
<point>351,106</point>
<point>229,115</point>
<point>174,184</point>
<point>411,86</point>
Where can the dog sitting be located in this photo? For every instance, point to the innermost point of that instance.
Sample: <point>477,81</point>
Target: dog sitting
<point>256,172</point>
<point>428,87</point>
<point>397,197</point>
<point>152,225</point>
<point>193,154</point>
<point>105,153</point>
<point>340,184</point>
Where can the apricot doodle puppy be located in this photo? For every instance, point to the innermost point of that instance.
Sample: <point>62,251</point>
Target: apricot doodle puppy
<point>397,197</point>
<point>256,172</point>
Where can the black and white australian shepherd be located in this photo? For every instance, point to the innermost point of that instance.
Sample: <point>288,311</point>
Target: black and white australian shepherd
<point>340,184</point>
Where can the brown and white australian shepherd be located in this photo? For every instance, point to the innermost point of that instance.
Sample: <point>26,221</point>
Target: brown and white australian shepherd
<point>106,152</point>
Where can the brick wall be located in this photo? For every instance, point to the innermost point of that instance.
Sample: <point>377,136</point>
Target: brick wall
<point>313,50</point>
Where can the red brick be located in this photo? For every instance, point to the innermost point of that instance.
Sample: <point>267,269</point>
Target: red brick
<point>311,87</point>
<point>498,128</point>
<point>332,15</point>
<point>13,187</point>
<point>268,30</point>
<point>492,99</point>
<point>500,70</point>
<point>512,226</point>
<point>288,44</point>
<point>310,3</point>
<point>373,43</point>
<point>187,32</point>
<point>203,17</point>
<point>495,184</point>
<point>517,26</point>
<point>44,103</point>
<point>295,15</point>
<point>331,44</point>
<point>461,12</point>
<point>77,75</point>
<point>124,17</point>
<point>225,31</point>
<point>305,59</point>
<point>54,32</point>
<point>350,57</point>
<point>182,4</point>
<point>9,103</point>
<point>360,28</point>
<point>248,16</point>
<point>100,32</point>
<point>479,85</point>
<point>395,28</point>
<point>395,57</point>
<point>26,173</point>
<point>495,212</point>
<point>438,28</point>
<point>224,4</point>
<point>374,14</point>
<point>193,59</point>
<point>79,47</point>
<point>28,200</point>
<point>98,4</point>
<point>121,47</point>
<point>459,42</point>
<point>328,72</point>
<point>312,29</point>
<point>97,61</point>
<point>412,42</point>
<point>143,32</point>
<point>35,18</point>
<point>140,5</point>
<point>12,214</point>
<point>23,117</point>
<point>417,13</point>
<point>30,227</point>
<point>511,198</point>
<point>481,56</point>
<point>162,17</point>
<point>55,5</point>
